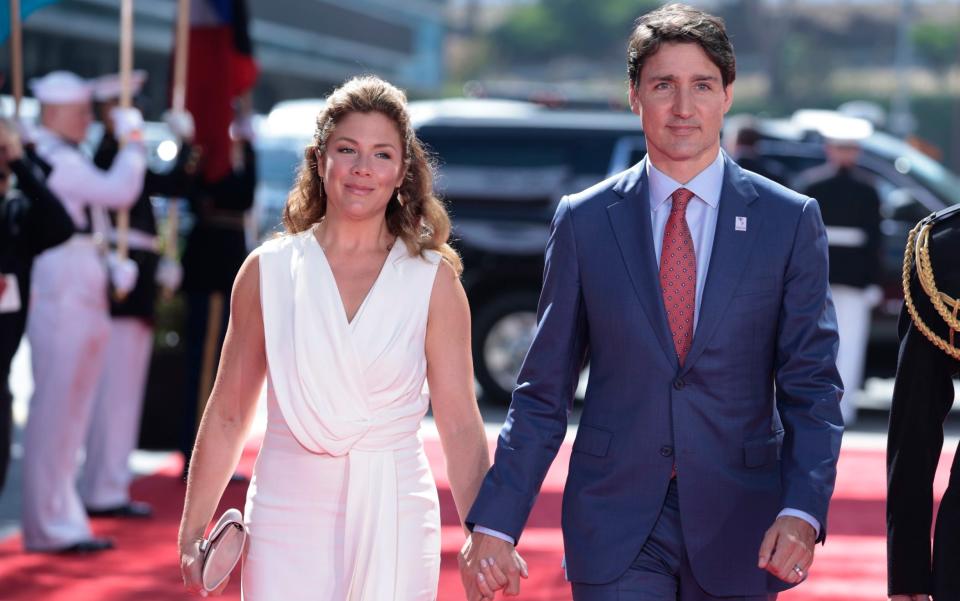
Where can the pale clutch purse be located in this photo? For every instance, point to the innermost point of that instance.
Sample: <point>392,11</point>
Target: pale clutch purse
<point>222,549</point>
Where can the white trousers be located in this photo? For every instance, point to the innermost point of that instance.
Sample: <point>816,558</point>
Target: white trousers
<point>68,329</point>
<point>115,422</point>
<point>853,321</point>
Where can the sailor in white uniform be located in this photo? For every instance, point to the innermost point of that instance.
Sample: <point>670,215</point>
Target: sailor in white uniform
<point>104,483</point>
<point>69,324</point>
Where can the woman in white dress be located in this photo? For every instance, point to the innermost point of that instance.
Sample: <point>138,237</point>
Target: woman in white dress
<point>346,316</point>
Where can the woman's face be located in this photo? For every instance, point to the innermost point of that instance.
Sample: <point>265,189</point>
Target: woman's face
<point>362,166</point>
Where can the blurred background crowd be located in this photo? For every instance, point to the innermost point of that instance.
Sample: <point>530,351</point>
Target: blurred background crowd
<point>854,102</point>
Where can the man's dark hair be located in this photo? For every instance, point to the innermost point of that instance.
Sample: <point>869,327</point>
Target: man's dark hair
<point>683,24</point>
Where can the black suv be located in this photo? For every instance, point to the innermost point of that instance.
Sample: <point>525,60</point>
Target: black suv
<point>504,165</point>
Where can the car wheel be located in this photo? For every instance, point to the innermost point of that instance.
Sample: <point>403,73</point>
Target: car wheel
<point>502,332</point>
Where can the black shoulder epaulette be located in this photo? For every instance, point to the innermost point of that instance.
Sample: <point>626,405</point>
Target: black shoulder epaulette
<point>944,214</point>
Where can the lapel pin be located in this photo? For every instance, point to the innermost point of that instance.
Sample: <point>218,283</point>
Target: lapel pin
<point>741,225</point>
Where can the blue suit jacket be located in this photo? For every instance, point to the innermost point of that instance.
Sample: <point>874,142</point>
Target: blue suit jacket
<point>751,419</point>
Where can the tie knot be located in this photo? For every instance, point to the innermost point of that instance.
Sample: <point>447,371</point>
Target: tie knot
<point>681,197</point>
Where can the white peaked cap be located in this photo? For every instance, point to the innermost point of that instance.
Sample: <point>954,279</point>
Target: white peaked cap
<point>61,87</point>
<point>834,127</point>
<point>107,87</point>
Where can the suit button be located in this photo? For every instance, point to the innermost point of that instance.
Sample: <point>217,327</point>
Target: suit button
<point>678,384</point>
<point>666,451</point>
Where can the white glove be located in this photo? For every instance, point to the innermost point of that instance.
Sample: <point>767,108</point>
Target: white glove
<point>169,274</point>
<point>873,295</point>
<point>123,273</point>
<point>242,128</point>
<point>127,123</point>
<point>180,123</point>
<point>27,130</point>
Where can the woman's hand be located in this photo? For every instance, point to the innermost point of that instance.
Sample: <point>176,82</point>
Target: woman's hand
<point>191,563</point>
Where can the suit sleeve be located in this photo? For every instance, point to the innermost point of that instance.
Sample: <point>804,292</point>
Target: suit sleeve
<point>536,423</point>
<point>807,382</point>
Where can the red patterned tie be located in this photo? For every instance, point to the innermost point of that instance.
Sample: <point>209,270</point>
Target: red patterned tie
<point>678,273</point>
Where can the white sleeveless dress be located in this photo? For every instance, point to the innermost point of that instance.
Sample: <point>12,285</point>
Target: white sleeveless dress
<point>342,504</point>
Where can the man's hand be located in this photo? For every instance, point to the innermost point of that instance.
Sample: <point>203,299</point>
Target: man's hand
<point>488,564</point>
<point>787,549</point>
<point>920,597</point>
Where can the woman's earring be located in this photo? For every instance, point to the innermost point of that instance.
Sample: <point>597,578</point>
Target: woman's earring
<point>396,194</point>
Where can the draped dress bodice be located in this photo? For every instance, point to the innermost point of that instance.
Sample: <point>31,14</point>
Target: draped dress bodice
<point>351,392</point>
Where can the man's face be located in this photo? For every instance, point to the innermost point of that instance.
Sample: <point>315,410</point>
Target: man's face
<point>69,121</point>
<point>843,154</point>
<point>682,100</point>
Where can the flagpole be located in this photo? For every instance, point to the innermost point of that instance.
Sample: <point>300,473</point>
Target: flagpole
<point>182,47</point>
<point>16,56</point>
<point>126,101</point>
<point>178,104</point>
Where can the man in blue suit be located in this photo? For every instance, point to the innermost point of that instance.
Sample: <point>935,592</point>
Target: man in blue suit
<point>706,453</point>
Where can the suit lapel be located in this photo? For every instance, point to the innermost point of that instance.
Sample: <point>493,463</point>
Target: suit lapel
<point>630,220</point>
<point>729,256</point>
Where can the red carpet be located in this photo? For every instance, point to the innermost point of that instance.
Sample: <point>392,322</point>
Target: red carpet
<point>851,567</point>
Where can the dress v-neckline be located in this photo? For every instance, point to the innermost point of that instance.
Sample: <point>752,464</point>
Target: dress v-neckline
<point>350,322</point>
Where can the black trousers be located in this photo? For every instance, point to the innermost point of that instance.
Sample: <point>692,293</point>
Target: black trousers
<point>922,398</point>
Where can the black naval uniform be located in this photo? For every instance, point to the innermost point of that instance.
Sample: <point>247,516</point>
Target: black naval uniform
<point>922,397</point>
<point>215,250</point>
<point>761,165</point>
<point>141,301</point>
<point>31,221</point>
<point>847,200</point>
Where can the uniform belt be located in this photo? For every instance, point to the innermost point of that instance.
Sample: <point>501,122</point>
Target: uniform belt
<point>138,240</point>
<point>848,237</point>
<point>224,219</point>
<point>82,239</point>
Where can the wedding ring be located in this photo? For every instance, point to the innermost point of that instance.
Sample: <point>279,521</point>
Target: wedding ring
<point>798,570</point>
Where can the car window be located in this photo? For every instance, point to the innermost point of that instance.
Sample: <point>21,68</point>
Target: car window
<point>909,161</point>
<point>581,151</point>
<point>278,161</point>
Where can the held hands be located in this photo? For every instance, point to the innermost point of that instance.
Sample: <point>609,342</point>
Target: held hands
<point>191,563</point>
<point>787,549</point>
<point>489,564</point>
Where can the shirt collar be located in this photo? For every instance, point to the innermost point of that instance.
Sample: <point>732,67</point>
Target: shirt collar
<point>706,185</point>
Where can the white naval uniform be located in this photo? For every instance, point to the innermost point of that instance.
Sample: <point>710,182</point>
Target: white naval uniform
<point>68,329</point>
<point>853,306</point>
<point>115,424</point>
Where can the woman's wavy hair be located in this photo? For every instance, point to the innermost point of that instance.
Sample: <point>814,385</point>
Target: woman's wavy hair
<point>414,213</point>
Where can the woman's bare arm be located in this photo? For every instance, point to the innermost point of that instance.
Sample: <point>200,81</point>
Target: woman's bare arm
<point>452,395</point>
<point>230,410</point>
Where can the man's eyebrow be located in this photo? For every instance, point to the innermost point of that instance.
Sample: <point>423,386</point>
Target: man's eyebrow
<point>670,77</point>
